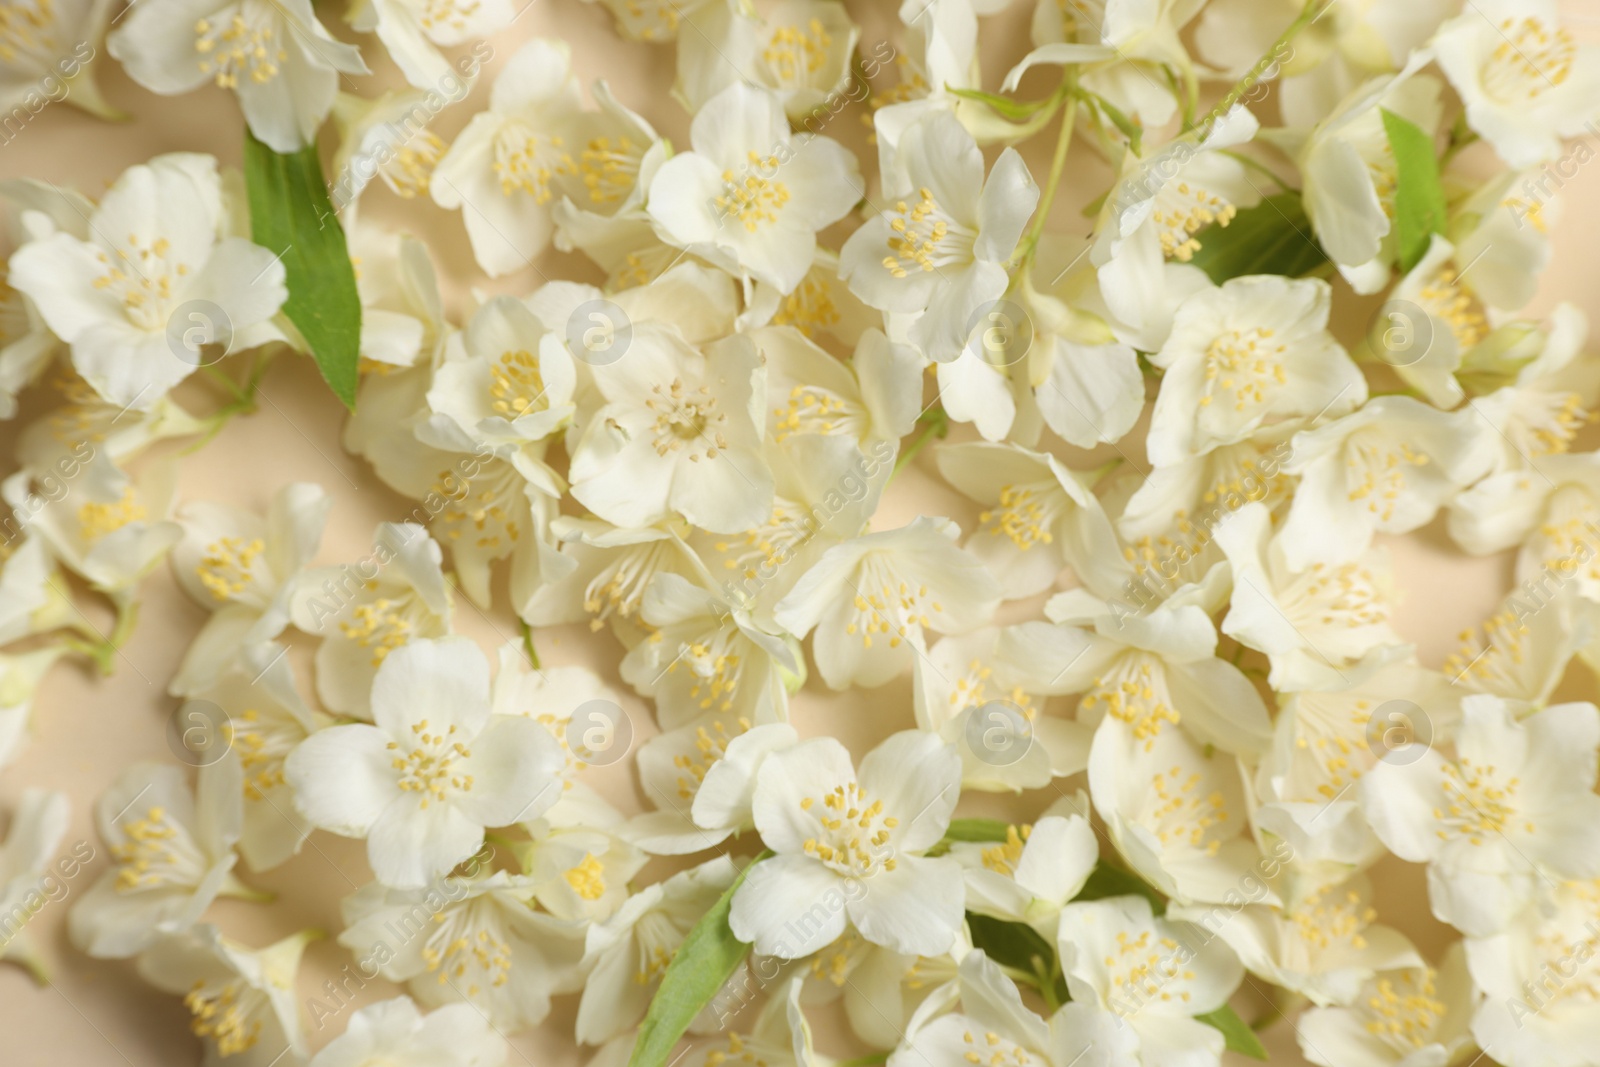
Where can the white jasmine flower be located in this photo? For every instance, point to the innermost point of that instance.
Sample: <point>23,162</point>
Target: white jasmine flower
<point>1549,513</point>
<point>1157,213</point>
<point>581,872</point>
<point>274,53</point>
<point>1545,399</point>
<point>1146,672</point>
<point>799,49</point>
<point>706,656</point>
<point>38,823</point>
<point>1311,624</point>
<point>942,246</point>
<point>1456,322</point>
<point>626,955</point>
<point>679,432</point>
<point>1040,866</point>
<point>475,940</point>
<point>701,778</point>
<point>871,600</point>
<point>1525,81</point>
<point>32,599</point>
<point>173,849</point>
<point>1412,1015</point>
<point>505,381</point>
<point>883,991</point>
<point>606,218</point>
<point>751,196</point>
<point>655,21</point>
<point>855,845</point>
<point>614,566</point>
<point>154,268</point>
<point>414,30</point>
<point>1349,169</point>
<point>993,1025</point>
<point>393,1033</point>
<point>1537,980</point>
<point>1386,468</point>
<point>965,693</point>
<point>1505,236</point>
<point>50,49</point>
<point>385,138</point>
<point>781,1036</point>
<point>874,397</point>
<point>1087,388</point>
<point>1176,810</point>
<point>266,720</point>
<point>1323,945</point>
<point>1151,975</point>
<point>366,610</point>
<point>436,769</point>
<point>1041,516</point>
<point>242,1000</point>
<point>1517,800</point>
<point>108,529</point>
<point>244,567</point>
<point>1522,651</point>
<point>403,324</point>
<point>504,171</point>
<point>1249,356</point>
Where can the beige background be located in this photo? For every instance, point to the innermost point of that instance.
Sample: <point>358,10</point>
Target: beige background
<point>88,729</point>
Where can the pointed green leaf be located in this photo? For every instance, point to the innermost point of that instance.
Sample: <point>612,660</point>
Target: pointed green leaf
<point>1235,1032</point>
<point>292,217</point>
<point>1274,237</point>
<point>1016,945</point>
<point>1419,207</point>
<point>1004,106</point>
<point>701,966</point>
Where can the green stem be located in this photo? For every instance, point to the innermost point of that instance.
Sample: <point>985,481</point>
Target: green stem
<point>938,425</point>
<point>1308,14</point>
<point>1058,161</point>
<point>243,403</point>
<point>527,644</point>
<point>102,651</point>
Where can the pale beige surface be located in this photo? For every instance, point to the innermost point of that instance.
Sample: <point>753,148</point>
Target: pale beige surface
<point>89,729</point>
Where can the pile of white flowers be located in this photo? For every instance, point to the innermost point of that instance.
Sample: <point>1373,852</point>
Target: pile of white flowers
<point>691,456</point>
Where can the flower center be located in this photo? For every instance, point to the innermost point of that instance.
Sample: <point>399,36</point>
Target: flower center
<point>926,237</point>
<point>1026,513</point>
<point>1477,803</point>
<point>793,53</point>
<point>466,947</point>
<point>1376,470</point>
<point>813,409</point>
<point>609,168</point>
<point>28,29</point>
<point>853,834</point>
<point>263,743</point>
<point>1532,59</point>
<point>246,43</point>
<point>225,568</point>
<point>1002,858</point>
<point>384,624</point>
<point>96,520</point>
<point>145,286</point>
<point>1185,812</point>
<point>657,940</point>
<point>157,853</point>
<point>1243,364</point>
<point>481,512</point>
<point>886,604</point>
<point>516,385</point>
<point>428,767</point>
<point>229,1014</point>
<point>409,170</point>
<point>1183,209</point>
<point>1445,297</point>
<point>1134,691</point>
<point>1345,597</point>
<point>710,745</point>
<point>809,308</point>
<point>526,161</point>
<point>620,586</point>
<point>756,198</point>
<point>772,544</point>
<point>1403,1011</point>
<point>587,879</point>
<point>435,16</point>
<point>1546,423</point>
<point>1139,970</point>
<point>1332,917</point>
<point>1493,664</point>
<point>685,418</point>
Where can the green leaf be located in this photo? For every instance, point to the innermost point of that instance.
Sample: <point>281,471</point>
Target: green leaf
<point>1274,237</point>
<point>701,966</point>
<point>976,830</point>
<point>1107,881</point>
<point>292,217</point>
<point>1240,1037</point>
<point>1004,106</point>
<point>1419,208</point>
<point>1016,945</point>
